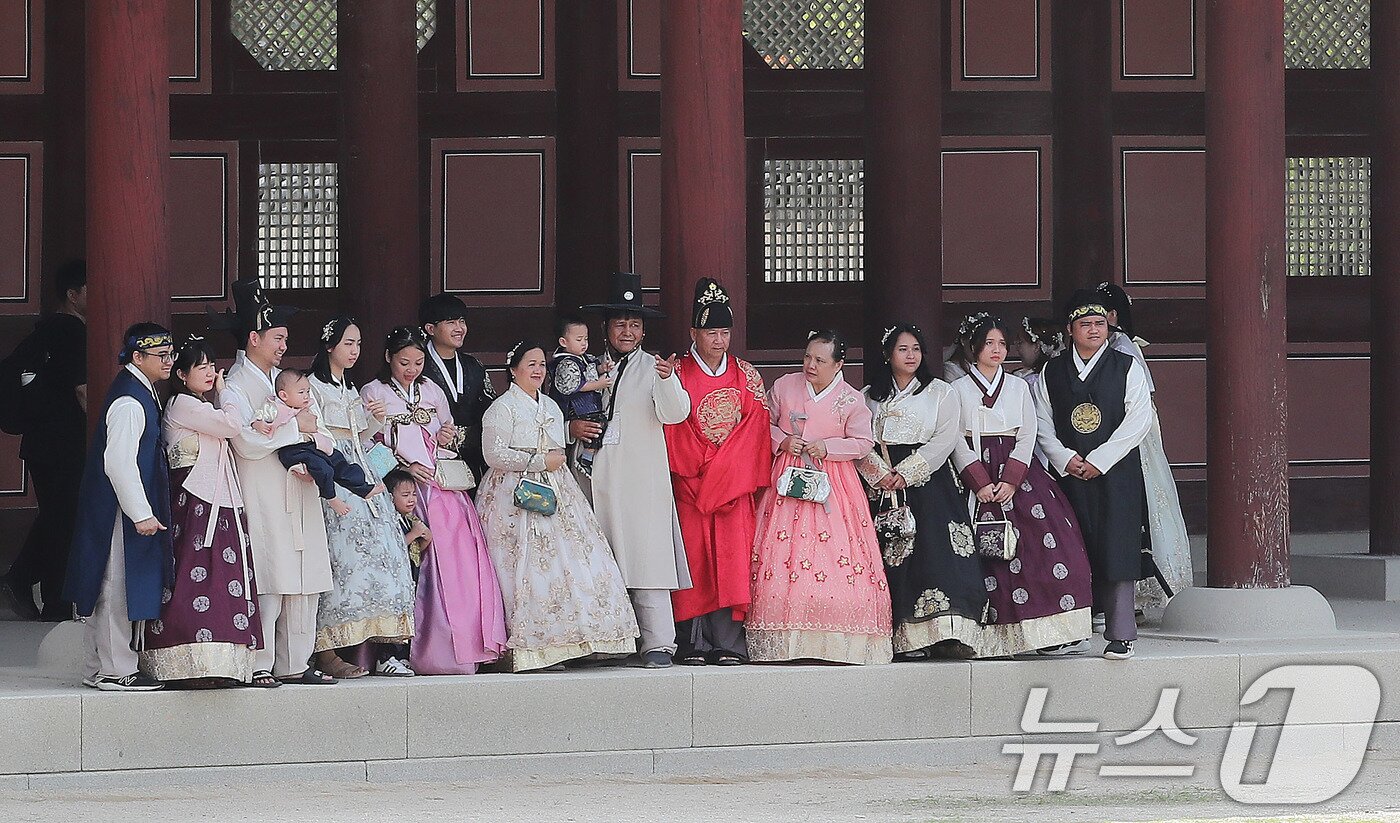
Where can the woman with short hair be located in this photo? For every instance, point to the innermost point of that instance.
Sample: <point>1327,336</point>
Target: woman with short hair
<point>819,588</point>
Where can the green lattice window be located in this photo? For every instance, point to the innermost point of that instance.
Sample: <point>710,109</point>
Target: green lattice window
<point>813,221</point>
<point>299,35</point>
<point>1329,216</point>
<point>298,244</point>
<point>807,34</point>
<point>1327,34</point>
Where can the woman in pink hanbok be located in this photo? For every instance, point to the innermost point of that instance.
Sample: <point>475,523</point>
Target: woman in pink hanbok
<point>458,615</point>
<point>819,589</point>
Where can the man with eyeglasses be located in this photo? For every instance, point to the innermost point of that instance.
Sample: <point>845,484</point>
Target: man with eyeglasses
<point>121,560</point>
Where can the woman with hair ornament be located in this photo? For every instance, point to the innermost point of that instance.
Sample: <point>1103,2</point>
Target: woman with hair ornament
<point>934,575</point>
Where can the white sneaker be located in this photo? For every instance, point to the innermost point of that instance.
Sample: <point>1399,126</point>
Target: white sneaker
<point>135,682</point>
<point>1065,650</point>
<point>393,667</point>
<point>1118,650</point>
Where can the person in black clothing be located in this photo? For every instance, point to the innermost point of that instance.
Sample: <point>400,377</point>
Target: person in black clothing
<point>54,448</point>
<point>1094,411</point>
<point>462,377</point>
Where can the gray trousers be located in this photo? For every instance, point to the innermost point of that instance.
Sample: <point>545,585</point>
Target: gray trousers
<point>289,632</point>
<point>1115,598</point>
<point>109,631</point>
<point>655,619</point>
<point>717,631</point>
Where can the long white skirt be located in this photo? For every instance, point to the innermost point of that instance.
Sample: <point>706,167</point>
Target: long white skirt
<point>1171,547</point>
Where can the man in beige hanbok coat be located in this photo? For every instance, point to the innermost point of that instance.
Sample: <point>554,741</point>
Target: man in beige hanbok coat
<point>630,485</point>
<point>286,528</point>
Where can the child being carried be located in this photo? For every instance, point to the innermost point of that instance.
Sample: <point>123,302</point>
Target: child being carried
<point>577,381</point>
<point>319,457</point>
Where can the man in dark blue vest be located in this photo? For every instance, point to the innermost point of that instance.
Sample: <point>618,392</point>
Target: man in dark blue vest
<point>121,561</point>
<point>1094,410</point>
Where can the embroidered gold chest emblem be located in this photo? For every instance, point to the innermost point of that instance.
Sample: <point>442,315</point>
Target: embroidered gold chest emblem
<point>1086,418</point>
<point>718,414</point>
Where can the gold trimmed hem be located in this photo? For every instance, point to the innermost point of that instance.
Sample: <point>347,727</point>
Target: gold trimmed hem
<point>913,635</point>
<point>1004,640</point>
<point>384,628</point>
<point>190,661</point>
<point>523,660</point>
<point>779,645</point>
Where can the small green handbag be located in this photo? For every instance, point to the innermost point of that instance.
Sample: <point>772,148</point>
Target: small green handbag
<point>534,496</point>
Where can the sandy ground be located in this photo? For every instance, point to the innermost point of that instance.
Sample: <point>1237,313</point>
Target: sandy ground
<point>970,793</point>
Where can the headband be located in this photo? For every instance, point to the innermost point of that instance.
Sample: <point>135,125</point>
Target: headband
<point>1087,310</point>
<point>134,344</point>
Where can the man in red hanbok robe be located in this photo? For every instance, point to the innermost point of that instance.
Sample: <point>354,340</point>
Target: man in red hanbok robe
<point>720,457</point>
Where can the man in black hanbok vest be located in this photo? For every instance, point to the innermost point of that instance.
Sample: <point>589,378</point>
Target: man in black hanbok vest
<point>1094,410</point>
<point>460,376</point>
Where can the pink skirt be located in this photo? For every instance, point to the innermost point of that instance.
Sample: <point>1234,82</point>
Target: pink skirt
<point>458,614</point>
<point>818,578</point>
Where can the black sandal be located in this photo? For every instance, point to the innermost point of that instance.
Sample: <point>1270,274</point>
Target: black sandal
<point>692,659</point>
<point>718,658</point>
<point>263,679</point>
<point>310,677</point>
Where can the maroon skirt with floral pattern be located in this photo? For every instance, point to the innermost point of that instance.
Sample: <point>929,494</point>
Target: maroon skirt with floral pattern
<point>208,627</point>
<point>1041,598</point>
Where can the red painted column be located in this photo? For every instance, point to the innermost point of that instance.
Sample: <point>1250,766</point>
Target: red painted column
<point>1385,280</point>
<point>381,210</point>
<point>903,166</point>
<point>702,159</point>
<point>128,150</point>
<point>1246,345</point>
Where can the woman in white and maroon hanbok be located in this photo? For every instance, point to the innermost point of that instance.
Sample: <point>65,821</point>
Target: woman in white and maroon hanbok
<point>207,631</point>
<point>1040,599</point>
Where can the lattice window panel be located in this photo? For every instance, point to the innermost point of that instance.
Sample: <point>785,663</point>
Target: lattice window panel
<point>298,246</point>
<point>300,35</point>
<point>1329,216</point>
<point>807,34</point>
<point>1327,34</point>
<point>813,221</point>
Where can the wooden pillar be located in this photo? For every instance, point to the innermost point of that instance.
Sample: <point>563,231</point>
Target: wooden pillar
<point>903,167</point>
<point>587,205</point>
<point>1385,280</point>
<point>1082,71</point>
<point>1246,342</point>
<point>702,159</point>
<point>381,275</point>
<point>65,186</point>
<point>128,151</point>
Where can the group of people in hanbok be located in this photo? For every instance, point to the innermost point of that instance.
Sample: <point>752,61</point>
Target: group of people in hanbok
<point>269,526</point>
